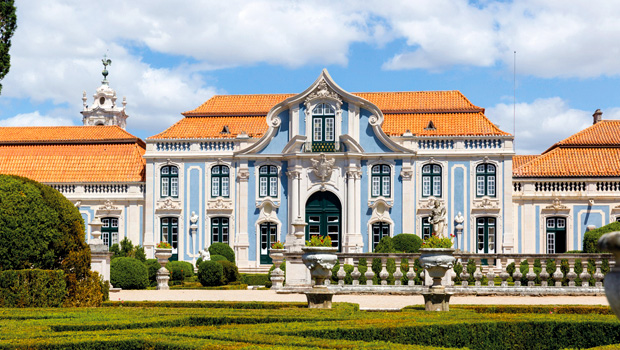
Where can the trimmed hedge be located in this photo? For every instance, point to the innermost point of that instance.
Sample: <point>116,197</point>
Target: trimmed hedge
<point>128,273</point>
<point>590,238</point>
<point>222,249</point>
<point>407,243</point>
<point>254,279</point>
<point>253,305</point>
<point>179,270</point>
<point>217,258</point>
<point>32,288</point>
<point>230,272</point>
<point>210,273</point>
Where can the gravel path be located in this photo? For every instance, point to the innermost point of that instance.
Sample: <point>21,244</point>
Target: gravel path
<point>365,301</point>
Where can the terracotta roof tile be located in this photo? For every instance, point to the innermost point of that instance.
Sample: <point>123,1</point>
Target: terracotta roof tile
<point>246,105</point>
<point>211,127</point>
<point>603,133</point>
<point>445,124</point>
<point>520,160</point>
<point>573,162</point>
<point>74,163</point>
<point>56,134</point>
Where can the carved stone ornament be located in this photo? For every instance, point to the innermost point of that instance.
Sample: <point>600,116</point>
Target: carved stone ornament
<point>108,206</point>
<point>616,208</point>
<point>354,173</point>
<point>406,173</point>
<point>323,91</point>
<point>267,210</point>
<point>108,209</point>
<point>487,203</point>
<point>323,168</point>
<point>220,203</point>
<point>380,209</point>
<point>243,174</point>
<point>556,205</point>
<point>169,204</point>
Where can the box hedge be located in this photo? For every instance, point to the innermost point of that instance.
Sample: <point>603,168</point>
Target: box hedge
<point>32,288</point>
<point>222,249</point>
<point>128,273</point>
<point>210,273</point>
<point>590,238</point>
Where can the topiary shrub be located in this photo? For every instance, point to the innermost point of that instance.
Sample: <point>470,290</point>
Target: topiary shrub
<point>230,272</point>
<point>32,288</point>
<point>218,258</point>
<point>407,243</point>
<point>222,249</point>
<point>128,273</point>
<point>152,265</point>
<point>590,238</point>
<point>385,245</point>
<point>210,273</point>
<point>179,270</point>
<point>254,279</point>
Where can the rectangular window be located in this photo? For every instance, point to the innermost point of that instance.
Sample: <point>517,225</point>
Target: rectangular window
<point>480,185</point>
<point>426,228</point>
<point>386,186</point>
<point>329,129</point>
<point>263,187</point>
<point>491,186</point>
<point>174,187</point>
<point>426,186</point>
<point>376,190</point>
<point>225,187</point>
<point>318,129</point>
<point>215,187</point>
<point>273,186</point>
<point>106,238</point>
<point>264,243</point>
<point>164,187</point>
<point>437,186</point>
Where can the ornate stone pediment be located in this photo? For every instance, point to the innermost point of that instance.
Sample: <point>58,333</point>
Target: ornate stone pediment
<point>268,210</point>
<point>486,204</point>
<point>169,205</point>
<point>380,209</point>
<point>220,204</point>
<point>322,91</point>
<point>556,206</point>
<point>426,205</point>
<point>616,209</point>
<point>322,168</point>
<point>108,209</point>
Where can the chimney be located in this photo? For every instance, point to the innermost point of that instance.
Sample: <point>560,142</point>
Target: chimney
<point>598,116</point>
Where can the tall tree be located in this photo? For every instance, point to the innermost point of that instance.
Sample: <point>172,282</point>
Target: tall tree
<point>8,23</point>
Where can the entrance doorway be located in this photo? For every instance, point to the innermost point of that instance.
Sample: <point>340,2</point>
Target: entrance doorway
<point>323,215</point>
<point>556,235</point>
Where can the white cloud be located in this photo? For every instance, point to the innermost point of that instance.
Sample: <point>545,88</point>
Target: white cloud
<point>35,119</point>
<point>541,123</point>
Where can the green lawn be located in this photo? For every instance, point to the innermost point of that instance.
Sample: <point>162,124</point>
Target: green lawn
<point>221,325</point>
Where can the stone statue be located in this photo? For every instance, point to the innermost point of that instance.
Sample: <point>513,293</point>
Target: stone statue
<point>204,254</point>
<point>459,219</point>
<point>194,218</point>
<point>438,217</point>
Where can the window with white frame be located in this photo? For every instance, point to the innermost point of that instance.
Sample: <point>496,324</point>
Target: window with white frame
<point>381,180</point>
<point>431,180</point>
<point>485,180</point>
<point>170,181</point>
<point>220,181</point>
<point>268,181</point>
<point>219,230</point>
<point>379,230</point>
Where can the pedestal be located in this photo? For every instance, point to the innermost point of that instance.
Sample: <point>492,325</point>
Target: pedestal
<point>277,275</point>
<point>319,298</point>
<point>437,299</point>
<point>163,275</point>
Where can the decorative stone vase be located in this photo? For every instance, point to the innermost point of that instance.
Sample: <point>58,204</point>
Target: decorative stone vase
<point>610,242</point>
<point>320,261</point>
<point>436,262</point>
<point>277,275</point>
<point>163,275</point>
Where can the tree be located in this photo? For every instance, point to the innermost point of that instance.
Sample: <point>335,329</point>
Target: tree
<point>8,24</point>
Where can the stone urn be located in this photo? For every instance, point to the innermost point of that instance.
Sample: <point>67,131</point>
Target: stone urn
<point>610,242</point>
<point>436,262</point>
<point>163,275</point>
<point>277,275</point>
<point>320,261</point>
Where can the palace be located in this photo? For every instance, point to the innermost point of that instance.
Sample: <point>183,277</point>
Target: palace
<point>242,169</point>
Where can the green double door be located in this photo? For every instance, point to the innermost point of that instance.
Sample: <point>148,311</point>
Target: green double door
<point>324,217</point>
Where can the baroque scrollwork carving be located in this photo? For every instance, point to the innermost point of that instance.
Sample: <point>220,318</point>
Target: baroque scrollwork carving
<point>406,173</point>
<point>243,174</point>
<point>323,167</point>
<point>108,206</point>
<point>220,203</point>
<point>556,205</point>
<point>323,91</point>
<point>169,204</point>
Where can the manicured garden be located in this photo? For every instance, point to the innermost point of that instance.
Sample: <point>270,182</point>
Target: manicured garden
<point>235,325</point>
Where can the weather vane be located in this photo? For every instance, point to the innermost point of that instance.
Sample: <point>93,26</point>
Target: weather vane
<point>106,62</point>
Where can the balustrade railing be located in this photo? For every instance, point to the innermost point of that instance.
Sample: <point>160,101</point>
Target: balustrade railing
<point>476,273</point>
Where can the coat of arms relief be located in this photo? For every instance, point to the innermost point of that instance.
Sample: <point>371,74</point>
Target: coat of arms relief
<point>322,169</point>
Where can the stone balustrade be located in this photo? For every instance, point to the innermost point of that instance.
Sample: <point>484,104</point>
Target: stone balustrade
<point>488,274</point>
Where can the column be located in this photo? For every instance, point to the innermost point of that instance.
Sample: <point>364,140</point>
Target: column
<point>242,245</point>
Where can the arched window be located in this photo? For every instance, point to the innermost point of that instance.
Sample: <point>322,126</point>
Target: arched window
<point>219,230</point>
<point>323,128</point>
<point>381,180</point>
<point>485,180</point>
<point>220,181</point>
<point>379,230</point>
<point>268,181</point>
<point>170,181</point>
<point>431,180</point>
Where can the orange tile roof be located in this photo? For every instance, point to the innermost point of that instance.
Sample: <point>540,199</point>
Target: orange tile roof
<point>452,124</point>
<point>520,160</point>
<point>211,127</point>
<point>388,102</point>
<point>74,163</point>
<point>603,133</point>
<point>55,134</point>
<point>573,162</point>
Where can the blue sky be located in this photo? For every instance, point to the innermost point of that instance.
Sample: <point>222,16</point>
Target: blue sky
<point>169,57</point>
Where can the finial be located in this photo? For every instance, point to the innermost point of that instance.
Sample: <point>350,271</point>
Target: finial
<point>84,99</point>
<point>106,62</point>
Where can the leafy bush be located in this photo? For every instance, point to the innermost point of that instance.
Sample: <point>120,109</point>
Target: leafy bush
<point>179,270</point>
<point>88,292</point>
<point>210,273</point>
<point>590,238</point>
<point>127,249</point>
<point>218,258</point>
<point>128,273</point>
<point>152,265</point>
<point>407,243</point>
<point>348,269</point>
<point>385,245</point>
<point>230,272</point>
<point>254,279</point>
<point>222,249</point>
<point>32,288</point>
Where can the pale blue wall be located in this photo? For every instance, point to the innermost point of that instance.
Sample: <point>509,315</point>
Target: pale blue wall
<point>368,139</point>
<point>588,217</point>
<point>279,141</point>
<point>461,182</point>
<point>192,185</point>
<point>345,118</point>
<point>302,119</point>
